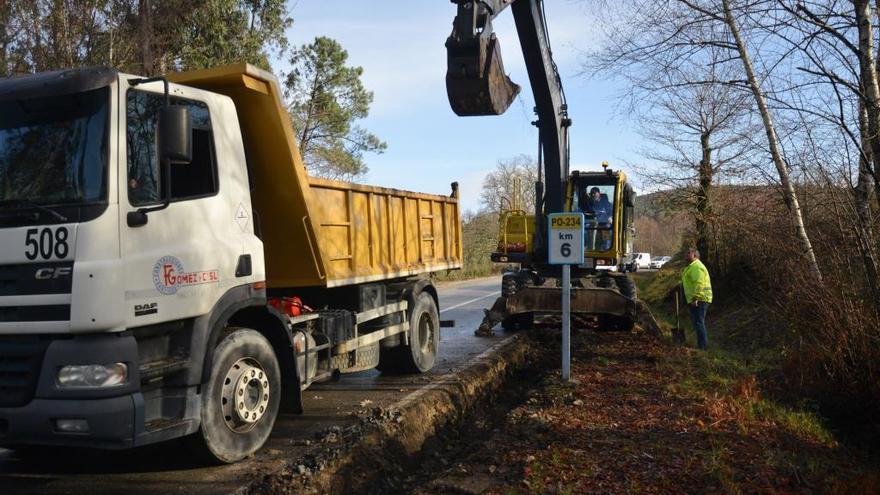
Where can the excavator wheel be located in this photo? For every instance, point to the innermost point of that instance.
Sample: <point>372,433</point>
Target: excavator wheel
<point>522,321</point>
<point>612,323</point>
<point>509,285</point>
<point>626,286</point>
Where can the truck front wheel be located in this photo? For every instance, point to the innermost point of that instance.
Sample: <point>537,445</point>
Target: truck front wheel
<point>240,402</point>
<point>424,341</point>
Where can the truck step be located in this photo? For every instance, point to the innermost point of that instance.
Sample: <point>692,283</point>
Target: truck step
<point>160,424</point>
<point>161,367</point>
<point>314,350</point>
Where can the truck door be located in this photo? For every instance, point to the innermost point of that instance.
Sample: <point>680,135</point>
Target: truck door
<point>183,259</point>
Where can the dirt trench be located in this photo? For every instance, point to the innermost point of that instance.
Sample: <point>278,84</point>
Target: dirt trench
<point>443,465</point>
<point>395,449</point>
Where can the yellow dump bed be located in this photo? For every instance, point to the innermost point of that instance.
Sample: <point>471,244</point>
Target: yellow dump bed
<point>319,232</point>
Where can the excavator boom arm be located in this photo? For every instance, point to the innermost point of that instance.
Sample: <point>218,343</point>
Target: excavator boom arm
<point>477,85</point>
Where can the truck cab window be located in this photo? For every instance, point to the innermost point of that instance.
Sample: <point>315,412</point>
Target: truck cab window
<point>188,181</point>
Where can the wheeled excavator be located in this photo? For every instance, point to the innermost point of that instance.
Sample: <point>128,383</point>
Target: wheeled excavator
<point>477,85</point>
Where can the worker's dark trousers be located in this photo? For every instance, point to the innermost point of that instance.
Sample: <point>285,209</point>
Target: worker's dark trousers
<point>698,317</point>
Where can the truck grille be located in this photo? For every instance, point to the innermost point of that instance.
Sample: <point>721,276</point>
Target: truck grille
<point>35,279</point>
<point>20,360</point>
<point>22,280</point>
<point>60,312</point>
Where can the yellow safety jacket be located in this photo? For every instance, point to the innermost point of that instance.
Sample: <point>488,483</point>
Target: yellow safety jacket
<point>695,279</point>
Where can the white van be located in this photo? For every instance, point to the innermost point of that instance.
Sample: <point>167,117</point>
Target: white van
<point>642,260</point>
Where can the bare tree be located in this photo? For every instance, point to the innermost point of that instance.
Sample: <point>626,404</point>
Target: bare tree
<point>782,168</point>
<point>511,185</point>
<point>842,74</point>
<point>667,36</point>
<point>687,107</point>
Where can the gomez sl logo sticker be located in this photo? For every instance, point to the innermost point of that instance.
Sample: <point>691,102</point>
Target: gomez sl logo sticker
<point>169,276</point>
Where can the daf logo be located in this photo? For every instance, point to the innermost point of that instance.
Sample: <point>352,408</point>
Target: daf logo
<point>50,273</point>
<point>146,309</point>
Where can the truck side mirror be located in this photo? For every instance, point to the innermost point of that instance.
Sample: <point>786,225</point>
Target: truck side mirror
<point>175,134</point>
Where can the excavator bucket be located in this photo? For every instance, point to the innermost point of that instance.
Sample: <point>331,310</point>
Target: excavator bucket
<point>475,80</point>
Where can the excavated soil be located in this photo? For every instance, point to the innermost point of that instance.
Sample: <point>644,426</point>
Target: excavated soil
<point>637,417</point>
<point>374,455</point>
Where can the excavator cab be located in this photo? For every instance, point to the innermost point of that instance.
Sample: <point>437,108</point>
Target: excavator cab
<point>607,201</point>
<point>475,80</point>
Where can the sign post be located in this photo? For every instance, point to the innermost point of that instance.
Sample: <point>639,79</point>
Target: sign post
<point>566,248</point>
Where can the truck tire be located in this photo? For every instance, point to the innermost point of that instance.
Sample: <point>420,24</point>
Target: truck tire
<point>240,402</point>
<point>424,339</point>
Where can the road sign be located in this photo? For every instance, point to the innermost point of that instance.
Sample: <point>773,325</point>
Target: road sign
<point>566,246</point>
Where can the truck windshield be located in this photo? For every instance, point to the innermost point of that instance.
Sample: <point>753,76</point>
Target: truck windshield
<point>53,150</point>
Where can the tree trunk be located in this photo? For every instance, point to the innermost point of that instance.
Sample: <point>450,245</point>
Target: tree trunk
<point>788,191</point>
<point>703,193</point>
<point>869,128</point>
<point>5,17</point>
<point>869,86</point>
<point>145,22</point>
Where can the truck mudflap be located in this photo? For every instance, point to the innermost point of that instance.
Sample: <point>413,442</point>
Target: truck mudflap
<point>602,302</point>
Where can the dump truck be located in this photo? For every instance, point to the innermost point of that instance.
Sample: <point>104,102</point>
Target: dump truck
<point>169,269</point>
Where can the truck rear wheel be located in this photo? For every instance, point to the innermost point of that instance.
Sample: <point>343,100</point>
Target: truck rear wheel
<point>240,402</point>
<point>424,341</point>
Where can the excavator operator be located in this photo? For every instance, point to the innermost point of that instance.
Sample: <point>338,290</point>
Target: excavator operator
<point>599,212</point>
<point>598,206</point>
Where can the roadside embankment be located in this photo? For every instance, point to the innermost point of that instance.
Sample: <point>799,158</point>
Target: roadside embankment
<point>385,441</point>
<point>642,416</point>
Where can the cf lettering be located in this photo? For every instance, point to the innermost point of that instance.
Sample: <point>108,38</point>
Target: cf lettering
<point>50,273</point>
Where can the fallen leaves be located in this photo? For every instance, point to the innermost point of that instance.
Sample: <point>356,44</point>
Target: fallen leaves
<point>628,426</point>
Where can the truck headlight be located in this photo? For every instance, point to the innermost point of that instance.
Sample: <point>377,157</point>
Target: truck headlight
<point>92,375</point>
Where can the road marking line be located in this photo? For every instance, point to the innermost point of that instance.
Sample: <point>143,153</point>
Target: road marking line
<point>472,300</point>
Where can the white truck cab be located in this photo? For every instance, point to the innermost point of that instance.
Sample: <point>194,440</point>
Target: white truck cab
<point>84,305</point>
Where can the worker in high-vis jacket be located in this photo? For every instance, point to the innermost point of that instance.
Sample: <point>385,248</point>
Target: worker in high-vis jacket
<point>698,294</point>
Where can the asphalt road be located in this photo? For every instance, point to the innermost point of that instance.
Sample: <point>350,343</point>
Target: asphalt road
<point>166,468</point>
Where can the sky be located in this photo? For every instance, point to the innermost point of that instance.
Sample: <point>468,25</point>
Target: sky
<point>400,45</point>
